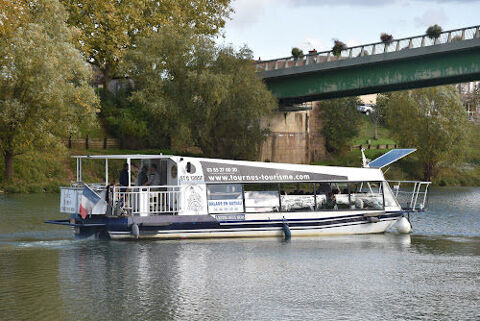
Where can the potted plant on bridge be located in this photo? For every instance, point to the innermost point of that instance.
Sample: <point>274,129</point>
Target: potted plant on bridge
<point>338,47</point>
<point>456,38</point>
<point>434,32</point>
<point>386,38</point>
<point>297,53</point>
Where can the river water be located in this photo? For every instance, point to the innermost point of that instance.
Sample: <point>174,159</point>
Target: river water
<point>432,274</point>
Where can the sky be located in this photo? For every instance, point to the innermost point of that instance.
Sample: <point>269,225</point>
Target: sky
<point>271,28</point>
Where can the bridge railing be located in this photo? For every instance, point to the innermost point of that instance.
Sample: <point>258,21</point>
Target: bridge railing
<point>370,49</point>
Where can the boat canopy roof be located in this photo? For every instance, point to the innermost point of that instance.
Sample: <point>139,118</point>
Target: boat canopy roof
<point>214,171</point>
<point>218,171</point>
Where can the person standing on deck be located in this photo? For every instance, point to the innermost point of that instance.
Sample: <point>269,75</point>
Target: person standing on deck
<point>142,178</point>
<point>123,177</point>
<point>154,178</point>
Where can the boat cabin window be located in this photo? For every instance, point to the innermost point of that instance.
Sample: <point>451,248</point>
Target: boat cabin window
<point>333,196</point>
<point>388,196</point>
<point>297,197</point>
<point>225,198</point>
<point>367,195</point>
<point>156,172</point>
<point>261,198</point>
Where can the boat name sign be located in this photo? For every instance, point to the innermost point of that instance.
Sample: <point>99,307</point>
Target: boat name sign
<point>230,173</point>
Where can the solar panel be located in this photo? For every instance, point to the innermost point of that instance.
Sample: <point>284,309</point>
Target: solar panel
<point>390,157</point>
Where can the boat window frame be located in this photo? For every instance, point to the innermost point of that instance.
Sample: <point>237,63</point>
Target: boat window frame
<point>315,184</point>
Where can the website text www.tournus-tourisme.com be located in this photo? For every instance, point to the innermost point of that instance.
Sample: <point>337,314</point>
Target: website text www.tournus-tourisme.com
<point>262,177</point>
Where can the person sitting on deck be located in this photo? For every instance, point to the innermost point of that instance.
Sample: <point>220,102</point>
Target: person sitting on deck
<point>142,178</point>
<point>331,201</point>
<point>154,178</point>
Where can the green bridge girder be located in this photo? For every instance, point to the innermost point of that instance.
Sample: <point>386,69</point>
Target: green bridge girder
<point>441,64</point>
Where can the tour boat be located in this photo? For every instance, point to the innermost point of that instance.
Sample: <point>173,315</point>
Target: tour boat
<point>176,197</point>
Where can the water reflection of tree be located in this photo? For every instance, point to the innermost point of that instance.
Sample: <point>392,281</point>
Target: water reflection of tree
<point>465,246</point>
<point>29,287</point>
<point>121,280</point>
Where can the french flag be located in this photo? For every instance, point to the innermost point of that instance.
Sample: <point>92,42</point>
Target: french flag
<point>88,201</point>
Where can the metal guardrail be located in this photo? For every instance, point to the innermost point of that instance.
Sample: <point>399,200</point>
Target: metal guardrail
<point>411,195</point>
<point>146,200</point>
<point>370,49</point>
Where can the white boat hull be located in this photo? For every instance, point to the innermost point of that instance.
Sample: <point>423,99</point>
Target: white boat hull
<point>333,229</point>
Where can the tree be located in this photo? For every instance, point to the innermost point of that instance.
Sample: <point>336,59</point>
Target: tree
<point>434,121</point>
<point>234,125</point>
<point>198,94</point>
<point>109,28</point>
<point>12,14</point>
<point>340,122</point>
<point>44,89</point>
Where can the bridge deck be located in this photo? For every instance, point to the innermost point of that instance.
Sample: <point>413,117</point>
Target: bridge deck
<point>404,63</point>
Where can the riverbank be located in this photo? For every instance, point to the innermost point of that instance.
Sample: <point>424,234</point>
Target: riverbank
<point>38,172</point>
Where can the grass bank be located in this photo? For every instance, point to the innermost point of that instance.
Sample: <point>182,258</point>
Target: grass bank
<point>366,134</point>
<point>46,171</point>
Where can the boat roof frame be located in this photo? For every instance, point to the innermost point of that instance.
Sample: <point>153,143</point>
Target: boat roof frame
<point>356,174</point>
<point>130,156</point>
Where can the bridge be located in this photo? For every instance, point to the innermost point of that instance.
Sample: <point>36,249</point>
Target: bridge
<point>405,63</point>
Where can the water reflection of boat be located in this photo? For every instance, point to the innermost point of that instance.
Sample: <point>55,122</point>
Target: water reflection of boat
<point>189,197</point>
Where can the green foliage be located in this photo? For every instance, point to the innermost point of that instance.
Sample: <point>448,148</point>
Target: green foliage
<point>338,47</point>
<point>340,123</point>
<point>434,32</point>
<point>366,131</point>
<point>44,83</point>
<point>434,121</point>
<point>297,53</point>
<point>125,120</point>
<point>194,93</point>
<point>107,28</point>
<point>38,172</point>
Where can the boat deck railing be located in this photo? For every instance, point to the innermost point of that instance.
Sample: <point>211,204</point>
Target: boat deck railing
<point>369,49</point>
<point>411,195</point>
<point>146,200</point>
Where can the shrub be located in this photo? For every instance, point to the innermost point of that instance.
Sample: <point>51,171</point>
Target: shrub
<point>338,47</point>
<point>297,53</point>
<point>386,38</point>
<point>434,32</point>
<point>340,123</point>
<point>457,38</point>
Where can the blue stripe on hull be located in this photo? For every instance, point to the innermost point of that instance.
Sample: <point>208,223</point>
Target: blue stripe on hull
<point>253,232</point>
<point>266,225</point>
<point>172,224</point>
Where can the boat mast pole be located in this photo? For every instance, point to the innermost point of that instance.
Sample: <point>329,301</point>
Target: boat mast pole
<point>129,171</point>
<point>106,171</point>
